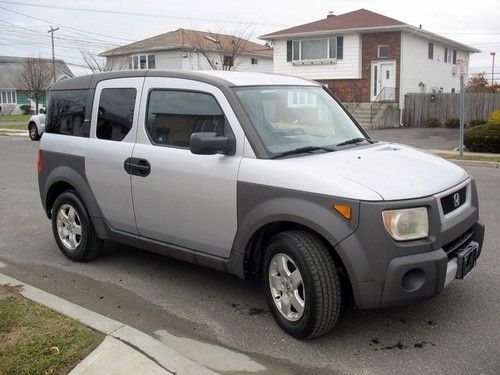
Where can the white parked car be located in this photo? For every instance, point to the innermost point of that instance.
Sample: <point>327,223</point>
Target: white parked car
<point>36,125</point>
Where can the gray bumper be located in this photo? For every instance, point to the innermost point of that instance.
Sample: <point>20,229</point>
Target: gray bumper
<point>385,273</point>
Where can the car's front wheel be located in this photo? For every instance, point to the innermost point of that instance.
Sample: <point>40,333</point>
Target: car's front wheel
<point>301,284</point>
<point>73,229</point>
<point>33,132</point>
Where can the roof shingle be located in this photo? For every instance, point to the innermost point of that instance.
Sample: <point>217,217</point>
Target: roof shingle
<point>361,18</point>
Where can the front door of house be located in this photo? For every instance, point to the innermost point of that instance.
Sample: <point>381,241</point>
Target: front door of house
<point>383,81</point>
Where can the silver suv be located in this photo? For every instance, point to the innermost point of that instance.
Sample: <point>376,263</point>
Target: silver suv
<point>258,175</point>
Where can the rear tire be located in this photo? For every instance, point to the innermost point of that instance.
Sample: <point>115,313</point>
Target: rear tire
<point>313,284</point>
<point>33,132</point>
<point>73,229</point>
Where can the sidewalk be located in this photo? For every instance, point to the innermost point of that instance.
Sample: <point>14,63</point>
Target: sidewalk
<point>125,350</point>
<point>14,132</point>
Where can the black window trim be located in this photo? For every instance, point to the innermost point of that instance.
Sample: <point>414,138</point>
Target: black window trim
<point>153,143</point>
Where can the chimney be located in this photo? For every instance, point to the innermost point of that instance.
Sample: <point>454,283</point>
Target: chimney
<point>330,14</point>
<point>420,26</point>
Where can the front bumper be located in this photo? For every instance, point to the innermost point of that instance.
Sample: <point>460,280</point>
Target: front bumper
<point>422,276</point>
<point>384,272</point>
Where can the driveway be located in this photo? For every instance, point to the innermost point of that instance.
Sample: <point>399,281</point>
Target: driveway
<point>425,138</point>
<point>457,332</point>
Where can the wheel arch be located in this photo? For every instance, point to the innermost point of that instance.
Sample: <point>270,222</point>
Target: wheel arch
<point>64,178</point>
<point>255,247</point>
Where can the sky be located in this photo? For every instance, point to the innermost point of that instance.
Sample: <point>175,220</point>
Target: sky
<point>100,25</point>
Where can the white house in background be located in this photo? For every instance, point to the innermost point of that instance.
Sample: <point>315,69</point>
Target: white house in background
<point>174,51</point>
<point>364,57</point>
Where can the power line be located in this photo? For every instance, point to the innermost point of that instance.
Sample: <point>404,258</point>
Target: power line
<point>65,26</point>
<point>135,14</point>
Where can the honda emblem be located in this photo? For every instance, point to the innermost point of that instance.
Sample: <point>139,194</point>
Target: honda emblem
<point>456,199</point>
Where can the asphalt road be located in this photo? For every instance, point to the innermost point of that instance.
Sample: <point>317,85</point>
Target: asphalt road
<point>457,332</point>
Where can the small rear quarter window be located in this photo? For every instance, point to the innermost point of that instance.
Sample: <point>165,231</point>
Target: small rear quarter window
<point>66,113</point>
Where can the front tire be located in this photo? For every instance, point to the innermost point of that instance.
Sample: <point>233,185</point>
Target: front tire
<point>73,230</point>
<point>33,132</point>
<point>301,284</point>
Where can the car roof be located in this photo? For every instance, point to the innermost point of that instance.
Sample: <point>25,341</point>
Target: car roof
<point>214,77</point>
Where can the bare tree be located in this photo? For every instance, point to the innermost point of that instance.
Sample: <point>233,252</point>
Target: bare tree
<point>221,51</point>
<point>98,64</point>
<point>34,79</point>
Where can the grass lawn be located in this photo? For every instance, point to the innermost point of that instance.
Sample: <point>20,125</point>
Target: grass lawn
<point>14,118</point>
<point>37,340</point>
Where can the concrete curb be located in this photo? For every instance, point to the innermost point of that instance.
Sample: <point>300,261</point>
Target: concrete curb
<point>453,157</point>
<point>153,349</point>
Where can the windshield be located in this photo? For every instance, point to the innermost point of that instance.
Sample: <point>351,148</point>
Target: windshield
<point>291,117</point>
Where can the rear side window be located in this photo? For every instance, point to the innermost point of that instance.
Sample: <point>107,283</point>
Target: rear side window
<point>66,113</point>
<point>116,113</point>
<point>173,116</point>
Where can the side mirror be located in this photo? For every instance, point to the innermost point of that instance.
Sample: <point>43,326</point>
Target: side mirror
<point>42,111</point>
<point>210,143</point>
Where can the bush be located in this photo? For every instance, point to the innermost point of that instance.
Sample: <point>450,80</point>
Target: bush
<point>476,122</point>
<point>452,123</point>
<point>495,117</point>
<point>431,122</point>
<point>26,108</point>
<point>483,138</point>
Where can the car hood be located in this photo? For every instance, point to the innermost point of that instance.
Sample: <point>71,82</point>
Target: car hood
<point>393,171</point>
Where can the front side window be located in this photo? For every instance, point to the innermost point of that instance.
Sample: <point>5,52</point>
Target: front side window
<point>290,117</point>
<point>116,113</point>
<point>66,113</point>
<point>172,116</point>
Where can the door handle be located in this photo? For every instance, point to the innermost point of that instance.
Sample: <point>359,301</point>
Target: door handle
<point>137,167</point>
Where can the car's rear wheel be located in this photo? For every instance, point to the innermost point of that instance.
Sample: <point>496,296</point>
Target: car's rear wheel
<point>73,230</point>
<point>302,285</point>
<point>33,132</point>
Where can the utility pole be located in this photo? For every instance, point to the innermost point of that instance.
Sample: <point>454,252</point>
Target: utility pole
<point>493,69</point>
<point>51,31</point>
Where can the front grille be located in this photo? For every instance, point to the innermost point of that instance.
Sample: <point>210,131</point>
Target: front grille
<point>454,200</point>
<point>458,243</point>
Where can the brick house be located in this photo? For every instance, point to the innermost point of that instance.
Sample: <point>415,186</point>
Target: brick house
<point>365,57</point>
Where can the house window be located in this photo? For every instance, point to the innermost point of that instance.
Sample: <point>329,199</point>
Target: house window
<point>301,99</point>
<point>317,49</point>
<point>8,97</point>
<point>228,60</point>
<point>447,55</point>
<point>430,51</point>
<point>383,52</point>
<point>254,61</point>
<point>454,56</point>
<point>143,62</point>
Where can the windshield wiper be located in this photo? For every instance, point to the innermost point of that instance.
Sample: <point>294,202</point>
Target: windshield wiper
<point>354,141</point>
<point>302,150</point>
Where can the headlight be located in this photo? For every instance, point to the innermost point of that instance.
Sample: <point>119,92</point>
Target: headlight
<point>407,224</point>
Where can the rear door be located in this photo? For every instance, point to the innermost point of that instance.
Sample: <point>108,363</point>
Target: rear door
<point>186,200</point>
<point>112,138</point>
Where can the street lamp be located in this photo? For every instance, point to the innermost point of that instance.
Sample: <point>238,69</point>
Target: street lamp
<point>493,69</point>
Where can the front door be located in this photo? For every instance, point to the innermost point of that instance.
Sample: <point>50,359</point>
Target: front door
<point>186,200</point>
<point>383,82</point>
